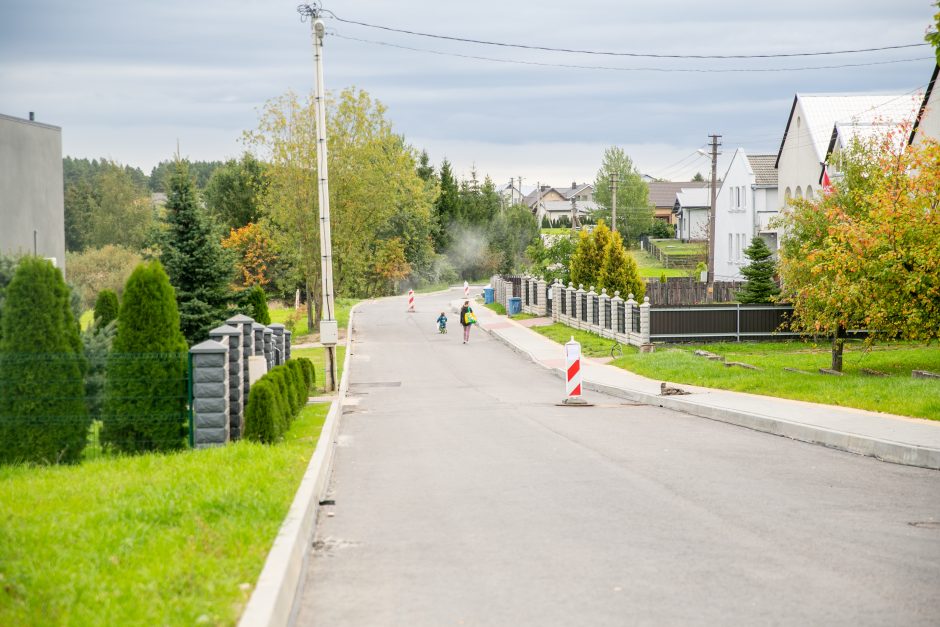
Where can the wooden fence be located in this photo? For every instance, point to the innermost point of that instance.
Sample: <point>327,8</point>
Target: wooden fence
<point>684,291</point>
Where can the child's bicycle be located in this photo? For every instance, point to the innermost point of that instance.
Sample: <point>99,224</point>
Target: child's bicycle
<point>616,351</point>
<point>442,328</point>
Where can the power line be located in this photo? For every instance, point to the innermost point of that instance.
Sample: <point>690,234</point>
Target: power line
<point>621,54</point>
<point>624,69</point>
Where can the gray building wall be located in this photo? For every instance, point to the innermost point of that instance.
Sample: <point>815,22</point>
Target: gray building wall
<point>31,189</point>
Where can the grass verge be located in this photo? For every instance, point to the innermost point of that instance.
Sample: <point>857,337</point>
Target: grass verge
<point>175,539</point>
<point>498,308</point>
<point>318,357</point>
<point>895,393</point>
<point>299,316</point>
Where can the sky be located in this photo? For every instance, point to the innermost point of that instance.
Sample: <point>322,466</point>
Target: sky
<point>129,80</point>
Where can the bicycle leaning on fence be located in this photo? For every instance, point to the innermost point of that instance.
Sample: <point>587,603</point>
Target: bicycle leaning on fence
<point>616,351</point>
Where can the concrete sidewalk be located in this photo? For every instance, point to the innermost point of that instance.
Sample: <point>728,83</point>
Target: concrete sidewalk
<point>908,441</point>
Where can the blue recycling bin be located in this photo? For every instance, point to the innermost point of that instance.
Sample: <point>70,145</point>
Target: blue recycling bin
<point>514,305</point>
<point>488,295</point>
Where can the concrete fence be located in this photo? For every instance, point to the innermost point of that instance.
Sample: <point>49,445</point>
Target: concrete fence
<point>220,376</point>
<point>626,321</point>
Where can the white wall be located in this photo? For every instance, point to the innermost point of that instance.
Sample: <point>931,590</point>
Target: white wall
<point>734,218</point>
<point>929,125</point>
<point>799,166</point>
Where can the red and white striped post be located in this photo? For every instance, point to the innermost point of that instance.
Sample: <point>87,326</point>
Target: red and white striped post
<point>466,290</point>
<point>573,374</point>
<point>411,301</point>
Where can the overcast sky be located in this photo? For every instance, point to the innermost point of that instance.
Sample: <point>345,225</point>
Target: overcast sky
<point>126,80</point>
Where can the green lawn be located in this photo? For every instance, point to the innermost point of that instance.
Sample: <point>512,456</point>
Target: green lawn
<point>677,247</point>
<point>176,539</point>
<point>281,315</point>
<point>897,393</point>
<point>318,357</point>
<point>497,307</point>
<point>650,268</point>
<point>556,230</point>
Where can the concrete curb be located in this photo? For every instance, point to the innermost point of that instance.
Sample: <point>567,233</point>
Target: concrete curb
<point>884,450</point>
<point>273,600</point>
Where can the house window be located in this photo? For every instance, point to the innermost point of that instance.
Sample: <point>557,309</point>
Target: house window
<point>744,197</point>
<point>730,246</point>
<point>799,192</point>
<point>809,192</point>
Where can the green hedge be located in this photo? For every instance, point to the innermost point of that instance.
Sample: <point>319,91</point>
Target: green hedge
<point>275,400</point>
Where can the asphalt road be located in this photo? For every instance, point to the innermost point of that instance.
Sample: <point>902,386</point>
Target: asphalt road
<point>465,496</point>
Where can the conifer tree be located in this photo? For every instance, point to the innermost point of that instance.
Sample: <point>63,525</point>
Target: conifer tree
<point>258,304</point>
<point>760,286</point>
<point>145,393</point>
<point>446,206</point>
<point>619,272</point>
<point>199,268</point>
<point>588,257</point>
<point>43,418</point>
<point>106,308</point>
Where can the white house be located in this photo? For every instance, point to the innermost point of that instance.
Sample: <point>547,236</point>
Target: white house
<point>691,210</point>
<point>927,123</point>
<point>744,206</point>
<point>809,131</point>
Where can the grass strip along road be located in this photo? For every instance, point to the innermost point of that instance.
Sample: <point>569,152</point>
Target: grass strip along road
<point>895,393</point>
<point>175,539</point>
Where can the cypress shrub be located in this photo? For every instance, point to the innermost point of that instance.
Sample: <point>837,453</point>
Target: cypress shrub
<point>310,373</point>
<point>258,306</point>
<point>106,308</point>
<point>300,382</point>
<point>263,420</point>
<point>275,375</point>
<point>146,389</point>
<point>291,393</point>
<point>43,418</point>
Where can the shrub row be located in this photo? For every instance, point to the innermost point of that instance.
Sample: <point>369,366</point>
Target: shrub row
<point>275,399</point>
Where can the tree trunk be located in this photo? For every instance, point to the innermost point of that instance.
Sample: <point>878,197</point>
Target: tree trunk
<point>838,342</point>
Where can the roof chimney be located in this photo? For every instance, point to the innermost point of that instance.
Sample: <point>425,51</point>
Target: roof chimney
<point>32,116</point>
<point>574,184</point>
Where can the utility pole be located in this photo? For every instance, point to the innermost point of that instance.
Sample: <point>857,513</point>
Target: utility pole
<point>711,210</point>
<point>614,179</point>
<point>328,324</point>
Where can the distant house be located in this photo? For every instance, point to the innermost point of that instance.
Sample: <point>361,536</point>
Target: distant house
<point>744,207</point>
<point>32,213</point>
<point>691,212</point>
<point>927,123</point>
<point>510,193</point>
<point>555,202</point>
<point>809,130</point>
<point>663,197</point>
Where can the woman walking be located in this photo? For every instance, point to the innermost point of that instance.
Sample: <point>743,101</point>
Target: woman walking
<point>467,319</point>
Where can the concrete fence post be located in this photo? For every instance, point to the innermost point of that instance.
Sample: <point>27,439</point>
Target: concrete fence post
<point>210,394</point>
<point>287,340</point>
<point>232,337</point>
<point>580,308</point>
<point>602,301</point>
<point>592,309</point>
<point>557,291</point>
<point>615,303</point>
<point>244,324</point>
<point>269,346</point>
<point>278,330</point>
<point>542,307</point>
<point>645,346</point>
<point>258,331</point>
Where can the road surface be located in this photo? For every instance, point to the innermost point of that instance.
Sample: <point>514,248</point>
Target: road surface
<point>465,496</point>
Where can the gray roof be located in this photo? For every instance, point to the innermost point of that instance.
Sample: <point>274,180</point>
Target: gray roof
<point>763,166</point>
<point>663,193</point>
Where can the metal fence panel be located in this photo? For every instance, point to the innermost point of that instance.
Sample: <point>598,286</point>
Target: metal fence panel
<point>621,317</point>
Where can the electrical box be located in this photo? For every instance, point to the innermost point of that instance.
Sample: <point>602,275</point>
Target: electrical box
<point>329,333</point>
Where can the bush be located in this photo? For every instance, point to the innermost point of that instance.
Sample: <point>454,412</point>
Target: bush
<point>258,306</point>
<point>43,418</point>
<point>97,344</point>
<point>279,377</point>
<point>98,269</point>
<point>106,308</point>
<point>146,390</point>
<point>264,421</point>
<point>300,381</point>
<point>310,373</point>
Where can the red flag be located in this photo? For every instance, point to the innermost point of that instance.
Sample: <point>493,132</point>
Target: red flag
<point>826,183</point>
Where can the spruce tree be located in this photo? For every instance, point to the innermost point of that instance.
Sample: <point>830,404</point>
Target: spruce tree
<point>760,286</point>
<point>146,389</point>
<point>199,268</point>
<point>620,272</point>
<point>258,306</point>
<point>43,418</point>
<point>446,207</point>
<point>106,308</point>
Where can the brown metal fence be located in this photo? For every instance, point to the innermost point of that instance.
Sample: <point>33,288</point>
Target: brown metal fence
<point>731,322</point>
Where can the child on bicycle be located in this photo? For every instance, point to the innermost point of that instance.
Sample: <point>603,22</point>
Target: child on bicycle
<point>442,323</point>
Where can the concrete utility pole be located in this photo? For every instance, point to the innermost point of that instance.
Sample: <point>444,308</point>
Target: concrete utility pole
<point>614,179</point>
<point>328,324</point>
<point>711,210</point>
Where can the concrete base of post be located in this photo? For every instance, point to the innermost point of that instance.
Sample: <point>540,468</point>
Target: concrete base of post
<point>647,348</point>
<point>575,401</point>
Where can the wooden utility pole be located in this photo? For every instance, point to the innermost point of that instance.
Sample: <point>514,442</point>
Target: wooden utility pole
<point>711,210</point>
<point>614,179</point>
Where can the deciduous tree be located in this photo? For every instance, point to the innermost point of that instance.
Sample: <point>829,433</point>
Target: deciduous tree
<point>634,211</point>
